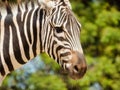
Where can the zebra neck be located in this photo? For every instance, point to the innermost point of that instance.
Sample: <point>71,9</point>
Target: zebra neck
<point>20,38</point>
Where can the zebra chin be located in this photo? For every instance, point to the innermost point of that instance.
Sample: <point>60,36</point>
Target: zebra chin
<point>77,66</point>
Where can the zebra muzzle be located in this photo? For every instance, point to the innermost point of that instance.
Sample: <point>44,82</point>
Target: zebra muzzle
<point>76,67</point>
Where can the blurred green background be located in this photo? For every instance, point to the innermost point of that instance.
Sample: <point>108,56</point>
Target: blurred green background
<point>100,38</point>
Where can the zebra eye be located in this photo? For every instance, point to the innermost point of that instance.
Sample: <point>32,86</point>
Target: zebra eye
<point>59,29</point>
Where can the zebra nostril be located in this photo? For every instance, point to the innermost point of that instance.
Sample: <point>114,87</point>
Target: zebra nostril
<point>77,68</point>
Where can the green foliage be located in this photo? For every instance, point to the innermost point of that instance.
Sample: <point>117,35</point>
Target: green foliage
<point>52,65</point>
<point>100,38</point>
<point>110,35</point>
<point>39,81</point>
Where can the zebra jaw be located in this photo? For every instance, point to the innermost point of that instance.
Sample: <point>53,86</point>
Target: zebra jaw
<point>76,67</point>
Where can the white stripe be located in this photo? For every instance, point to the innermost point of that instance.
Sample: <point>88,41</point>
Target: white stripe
<point>22,7</point>
<point>38,32</point>
<point>14,9</point>
<point>3,12</point>
<point>58,15</point>
<point>25,28</point>
<point>47,38</point>
<point>31,33</point>
<point>29,6</point>
<point>31,25</point>
<point>1,46</point>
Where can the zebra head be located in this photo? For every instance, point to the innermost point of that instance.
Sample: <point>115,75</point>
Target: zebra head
<point>63,43</point>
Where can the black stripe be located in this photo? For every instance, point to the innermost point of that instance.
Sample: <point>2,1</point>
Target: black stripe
<point>60,38</point>
<point>28,26</point>
<point>65,54</point>
<point>0,23</point>
<point>32,4</point>
<point>16,47</point>
<point>6,42</point>
<point>49,41</point>
<point>57,49</point>
<point>35,32</point>
<point>22,34</point>
<point>8,8</point>
<point>19,10</point>
<point>40,20</point>
<point>53,48</point>
<point>0,16</point>
<point>26,5</point>
<point>2,71</point>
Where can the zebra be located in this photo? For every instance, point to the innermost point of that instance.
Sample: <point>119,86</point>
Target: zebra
<point>30,28</point>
